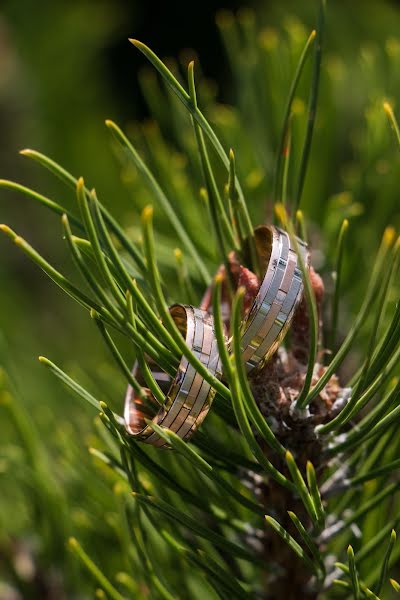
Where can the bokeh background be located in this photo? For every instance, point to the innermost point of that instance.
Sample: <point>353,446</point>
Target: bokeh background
<point>67,66</point>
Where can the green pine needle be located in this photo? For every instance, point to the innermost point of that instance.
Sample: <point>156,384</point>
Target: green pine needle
<point>291,542</point>
<point>77,549</point>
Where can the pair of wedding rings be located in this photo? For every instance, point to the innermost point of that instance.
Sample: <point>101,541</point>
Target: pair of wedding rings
<point>188,396</point>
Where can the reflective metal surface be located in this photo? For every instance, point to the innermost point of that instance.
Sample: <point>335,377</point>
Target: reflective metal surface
<point>280,291</point>
<point>188,396</point>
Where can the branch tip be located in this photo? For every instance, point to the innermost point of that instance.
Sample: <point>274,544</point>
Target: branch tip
<point>147,213</point>
<point>387,107</point>
<point>8,231</point>
<point>241,292</point>
<point>136,43</point>
<point>389,235</point>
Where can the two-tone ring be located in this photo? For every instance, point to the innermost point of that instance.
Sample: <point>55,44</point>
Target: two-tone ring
<point>280,291</point>
<point>188,396</point>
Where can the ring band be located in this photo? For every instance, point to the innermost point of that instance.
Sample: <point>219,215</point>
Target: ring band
<point>278,295</point>
<point>188,396</point>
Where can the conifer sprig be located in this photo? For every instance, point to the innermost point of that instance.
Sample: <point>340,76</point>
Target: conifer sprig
<point>200,505</point>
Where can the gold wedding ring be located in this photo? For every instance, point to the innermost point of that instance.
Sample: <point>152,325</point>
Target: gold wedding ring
<point>270,315</point>
<point>188,396</point>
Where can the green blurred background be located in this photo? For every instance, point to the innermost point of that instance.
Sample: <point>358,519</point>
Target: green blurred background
<point>64,68</point>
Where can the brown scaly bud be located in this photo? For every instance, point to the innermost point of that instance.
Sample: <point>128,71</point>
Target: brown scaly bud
<point>277,385</point>
<point>242,277</point>
<point>300,323</point>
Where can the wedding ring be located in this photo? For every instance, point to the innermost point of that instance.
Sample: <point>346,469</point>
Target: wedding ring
<point>188,396</point>
<point>281,289</point>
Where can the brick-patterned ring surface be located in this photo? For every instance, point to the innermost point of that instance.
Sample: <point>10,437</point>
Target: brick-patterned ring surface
<point>188,396</point>
<point>280,291</point>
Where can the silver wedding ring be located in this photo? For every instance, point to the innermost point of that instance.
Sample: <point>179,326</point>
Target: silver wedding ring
<point>280,291</point>
<point>188,396</point>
